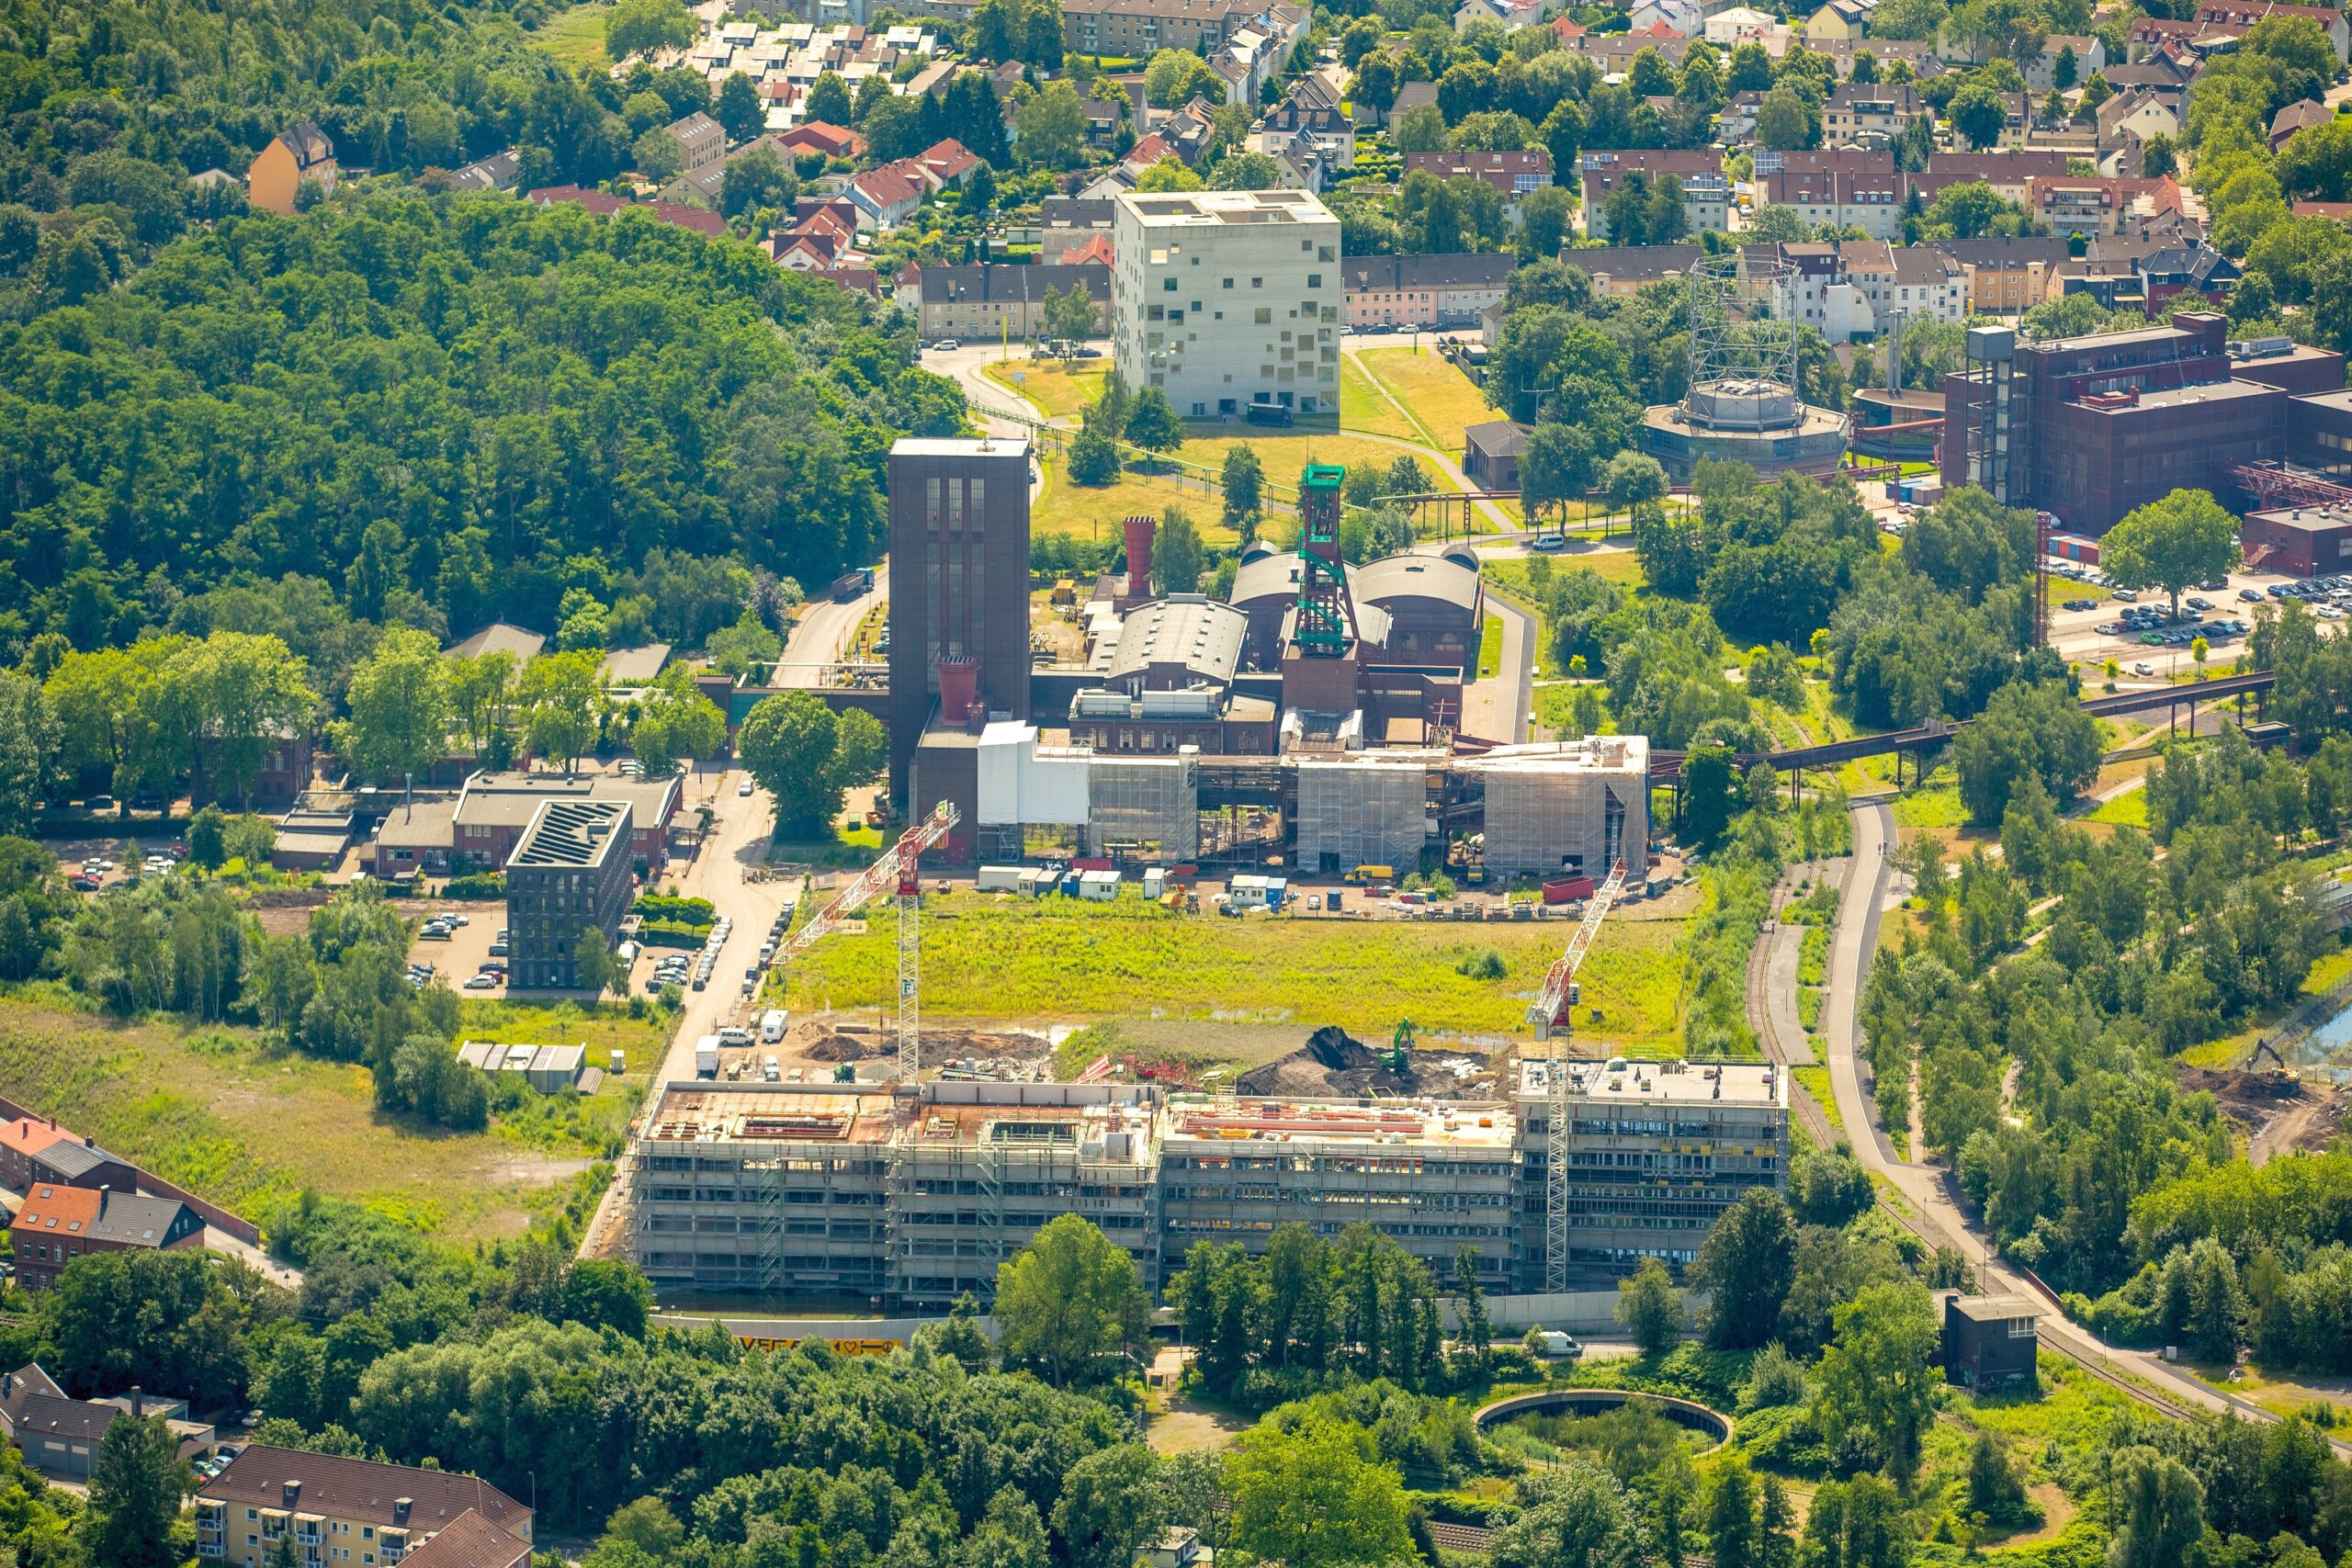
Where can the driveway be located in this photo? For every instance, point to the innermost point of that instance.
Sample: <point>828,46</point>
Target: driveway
<point>824,629</point>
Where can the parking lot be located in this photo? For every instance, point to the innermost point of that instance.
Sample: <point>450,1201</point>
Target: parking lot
<point>460,956</point>
<point>2093,623</point>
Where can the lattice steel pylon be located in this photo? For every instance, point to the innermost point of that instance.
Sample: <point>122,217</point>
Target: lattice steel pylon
<point>1551,1014</point>
<point>1730,340</point>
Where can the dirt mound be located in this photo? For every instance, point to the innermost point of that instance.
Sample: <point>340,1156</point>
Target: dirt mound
<point>2243,1096</point>
<point>1332,1064</point>
<point>1334,1048</point>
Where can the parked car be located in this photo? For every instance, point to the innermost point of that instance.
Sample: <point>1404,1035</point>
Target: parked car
<point>85,883</point>
<point>2251,595</point>
<point>499,949</point>
<point>483,982</point>
<point>2215,584</point>
<point>1547,543</point>
<point>946,343</point>
<point>743,788</point>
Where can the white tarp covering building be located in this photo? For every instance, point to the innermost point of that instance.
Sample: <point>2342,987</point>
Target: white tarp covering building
<point>1566,804</point>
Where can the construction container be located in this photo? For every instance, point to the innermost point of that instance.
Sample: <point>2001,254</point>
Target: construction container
<point>999,879</point>
<point>1567,889</point>
<point>1248,886</point>
<point>1090,864</point>
<point>1155,881</point>
<point>1098,887</point>
<point>1029,881</point>
<point>1331,900</point>
<point>1071,882</point>
<point>1277,889</point>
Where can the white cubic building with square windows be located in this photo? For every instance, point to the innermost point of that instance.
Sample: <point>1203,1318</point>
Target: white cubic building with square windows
<point>1223,298</point>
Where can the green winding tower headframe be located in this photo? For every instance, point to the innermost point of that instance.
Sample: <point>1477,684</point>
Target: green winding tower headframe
<point>1322,618</point>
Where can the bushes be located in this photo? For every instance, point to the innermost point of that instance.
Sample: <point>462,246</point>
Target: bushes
<point>486,885</point>
<point>671,908</point>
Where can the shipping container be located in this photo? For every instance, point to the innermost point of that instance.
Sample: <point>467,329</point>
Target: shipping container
<point>999,878</point>
<point>1101,887</point>
<point>1031,882</point>
<point>1567,889</point>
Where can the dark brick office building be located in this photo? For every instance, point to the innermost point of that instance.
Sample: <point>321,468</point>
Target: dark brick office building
<point>2097,425</point>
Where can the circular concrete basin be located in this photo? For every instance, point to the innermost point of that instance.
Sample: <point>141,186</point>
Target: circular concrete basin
<point>1684,1412</point>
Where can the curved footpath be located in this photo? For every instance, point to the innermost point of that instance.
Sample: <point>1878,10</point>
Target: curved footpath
<point>1933,1215</point>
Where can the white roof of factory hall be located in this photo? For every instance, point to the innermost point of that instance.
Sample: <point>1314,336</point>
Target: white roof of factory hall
<point>1593,753</point>
<point>1202,634</point>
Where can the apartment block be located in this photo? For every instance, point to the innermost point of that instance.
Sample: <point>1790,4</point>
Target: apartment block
<point>1859,189</point>
<point>908,1198</point>
<point>1441,290</point>
<point>1135,29</point>
<point>57,1225</point>
<point>1870,115</point>
<point>1222,298</point>
<point>352,1511</point>
<point>1510,174</point>
<point>993,304</point>
<point>570,871</point>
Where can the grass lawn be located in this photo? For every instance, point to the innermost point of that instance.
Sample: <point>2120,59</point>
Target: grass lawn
<point>576,36</point>
<point>249,1126</point>
<point>1815,1081</point>
<point>995,958</point>
<point>1060,390</point>
<point>1284,452</point>
<point>1362,407</point>
<point>1490,647</point>
<point>1095,514</point>
<point>1935,804</point>
<point>2127,810</point>
<point>1439,399</point>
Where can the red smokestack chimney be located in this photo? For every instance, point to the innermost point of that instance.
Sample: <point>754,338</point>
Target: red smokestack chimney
<point>1139,532</point>
<point>960,688</point>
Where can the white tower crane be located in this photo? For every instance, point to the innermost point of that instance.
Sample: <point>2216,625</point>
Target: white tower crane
<point>1550,1014</point>
<point>895,869</point>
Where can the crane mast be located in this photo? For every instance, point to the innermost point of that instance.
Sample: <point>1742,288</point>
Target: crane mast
<point>896,870</point>
<point>1551,1015</point>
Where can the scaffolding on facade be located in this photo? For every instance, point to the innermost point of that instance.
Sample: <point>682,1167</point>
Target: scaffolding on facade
<point>1570,811</point>
<point>1363,810</point>
<point>1145,809</point>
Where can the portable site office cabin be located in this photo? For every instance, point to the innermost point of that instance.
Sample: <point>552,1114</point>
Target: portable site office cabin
<point>1102,887</point>
<point>999,878</point>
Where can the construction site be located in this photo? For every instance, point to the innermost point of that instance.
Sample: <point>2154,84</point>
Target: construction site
<point>902,1192</point>
<point>1309,723</point>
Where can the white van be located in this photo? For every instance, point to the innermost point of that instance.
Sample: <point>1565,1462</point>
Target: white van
<point>772,1026</point>
<point>734,1034</point>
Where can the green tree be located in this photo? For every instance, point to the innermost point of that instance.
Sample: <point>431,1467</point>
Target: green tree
<point>642,26</point>
<point>675,723</point>
<point>1174,76</point>
<point>1242,479</point>
<point>755,179</point>
<point>1746,1264</point>
<point>1544,216</point>
<point>30,742</point>
<point>1073,314</point>
<point>2026,728</point>
<point>400,706</point>
<point>136,1482</point>
<point>1093,455</point>
<point>828,99</point>
<point>1572,1515</point>
<point>1994,1487</point>
<point>646,1523</point>
<point>1053,128</point>
<point>1876,1378</point>
<point>561,696</point>
<point>787,744</point>
<point>1111,1507</point>
<point>1310,1496</point>
<point>2172,544</point>
<point>207,840</point>
<point>1153,424</point>
<point>1070,1302</point>
<point>235,694</point>
<point>1649,1307</point>
<point>1734,1537</point>
<point>2159,1509</point>
<point>1977,113</point>
<point>1781,123</point>
<point>737,649</point>
<point>593,968</point>
<point>1176,556</point>
<point>1858,1524</point>
<point>658,155</point>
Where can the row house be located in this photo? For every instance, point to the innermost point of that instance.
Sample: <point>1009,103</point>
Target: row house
<point>1427,291</point>
<point>2237,16</point>
<point>1508,15</point>
<point>2005,275</point>
<point>1136,29</point>
<point>2011,174</point>
<point>356,1512</point>
<point>994,303</point>
<point>1510,174</point>
<point>2075,203</point>
<point>1310,110</point>
<point>1859,288</point>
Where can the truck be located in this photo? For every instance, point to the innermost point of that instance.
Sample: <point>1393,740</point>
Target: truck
<point>1268,411</point>
<point>706,1056</point>
<point>850,585</point>
<point>1366,876</point>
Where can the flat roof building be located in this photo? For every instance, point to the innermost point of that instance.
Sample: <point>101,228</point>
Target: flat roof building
<point>569,873</point>
<point>1222,298</point>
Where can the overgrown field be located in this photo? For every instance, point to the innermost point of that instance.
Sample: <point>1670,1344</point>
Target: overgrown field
<point>993,958</point>
<point>251,1127</point>
<point>1439,398</point>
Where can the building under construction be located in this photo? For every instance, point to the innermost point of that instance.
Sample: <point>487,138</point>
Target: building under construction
<point>908,1198</point>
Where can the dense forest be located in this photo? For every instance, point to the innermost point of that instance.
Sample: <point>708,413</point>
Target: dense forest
<point>445,409</point>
